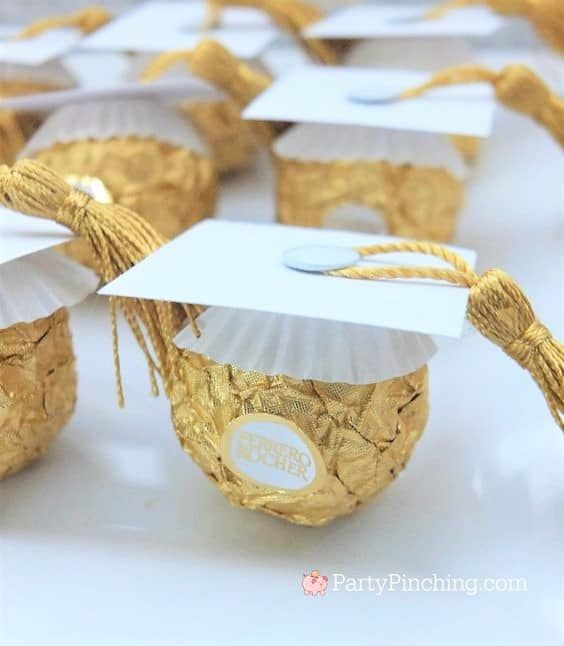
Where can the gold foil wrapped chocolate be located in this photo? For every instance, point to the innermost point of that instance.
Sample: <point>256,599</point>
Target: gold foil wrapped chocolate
<point>37,388</point>
<point>136,153</point>
<point>364,434</point>
<point>413,183</point>
<point>18,80</point>
<point>358,437</point>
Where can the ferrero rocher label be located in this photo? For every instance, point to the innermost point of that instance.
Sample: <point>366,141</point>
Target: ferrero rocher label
<point>272,453</point>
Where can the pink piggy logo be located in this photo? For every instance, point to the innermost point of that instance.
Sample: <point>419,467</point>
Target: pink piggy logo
<point>314,583</point>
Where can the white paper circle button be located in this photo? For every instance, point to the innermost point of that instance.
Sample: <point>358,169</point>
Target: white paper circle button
<point>319,258</point>
<point>371,96</point>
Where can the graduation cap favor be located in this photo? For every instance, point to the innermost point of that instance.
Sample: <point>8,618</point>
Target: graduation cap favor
<point>298,444</point>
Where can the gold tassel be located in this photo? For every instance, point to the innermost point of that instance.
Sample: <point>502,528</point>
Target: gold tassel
<point>497,308</point>
<point>546,16</point>
<point>118,239</point>
<point>292,15</point>
<point>212,62</point>
<point>516,87</point>
<point>87,21</point>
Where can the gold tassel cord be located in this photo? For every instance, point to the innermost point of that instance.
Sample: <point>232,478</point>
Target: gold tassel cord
<point>87,21</point>
<point>516,87</point>
<point>546,16</point>
<point>118,238</point>
<point>163,62</point>
<point>212,62</point>
<point>497,308</point>
<point>291,15</point>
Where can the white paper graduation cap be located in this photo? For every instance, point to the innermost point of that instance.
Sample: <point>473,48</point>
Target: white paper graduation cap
<point>160,26</point>
<point>363,97</point>
<point>285,322</point>
<point>366,21</point>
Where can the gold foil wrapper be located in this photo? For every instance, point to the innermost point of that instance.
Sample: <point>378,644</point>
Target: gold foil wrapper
<point>17,127</point>
<point>172,187</point>
<point>220,125</point>
<point>365,434</point>
<point>414,201</point>
<point>37,388</point>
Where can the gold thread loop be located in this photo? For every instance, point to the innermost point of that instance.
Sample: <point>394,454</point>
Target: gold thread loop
<point>87,21</point>
<point>516,87</point>
<point>546,16</point>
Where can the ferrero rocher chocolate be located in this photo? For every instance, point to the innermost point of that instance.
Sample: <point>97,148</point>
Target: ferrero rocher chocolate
<point>37,388</point>
<point>144,157</point>
<point>364,435</point>
<point>413,183</point>
<point>17,80</point>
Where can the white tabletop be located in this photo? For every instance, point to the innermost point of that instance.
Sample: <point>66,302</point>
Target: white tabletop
<point>116,538</point>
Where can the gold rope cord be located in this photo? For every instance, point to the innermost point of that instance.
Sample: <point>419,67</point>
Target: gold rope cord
<point>365,433</point>
<point>87,21</point>
<point>516,87</point>
<point>37,388</point>
<point>546,16</point>
<point>417,202</point>
<point>219,121</point>
<point>118,239</point>
<point>292,15</point>
<point>172,187</point>
<point>497,308</point>
<point>212,62</point>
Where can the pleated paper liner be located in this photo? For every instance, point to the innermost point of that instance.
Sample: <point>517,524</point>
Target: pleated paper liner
<point>276,344</point>
<point>17,80</point>
<point>35,286</point>
<point>413,182</point>
<point>138,153</point>
<point>37,371</point>
<point>217,120</point>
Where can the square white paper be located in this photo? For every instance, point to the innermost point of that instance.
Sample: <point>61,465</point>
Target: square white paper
<point>183,88</point>
<point>21,235</point>
<point>392,21</point>
<point>239,265</point>
<point>40,49</point>
<point>161,26</point>
<point>316,94</point>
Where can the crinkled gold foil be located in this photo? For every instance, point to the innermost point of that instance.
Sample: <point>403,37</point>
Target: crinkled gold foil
<point>221,127</point>
<point>17,127</point>
<point>172,187</point>
<point>415,201</point>
<point>365,434</point>
<point>37,388</point>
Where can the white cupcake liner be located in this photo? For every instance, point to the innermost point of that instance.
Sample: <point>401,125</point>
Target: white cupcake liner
<point>52,72</point>
<point>326,143</point>
<point>425,54</point>
<point>37,285</point>
<point>305,348</point>
<point>102,120</point>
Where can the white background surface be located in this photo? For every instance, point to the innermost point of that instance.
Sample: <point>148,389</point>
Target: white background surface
<point>116,538</point>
